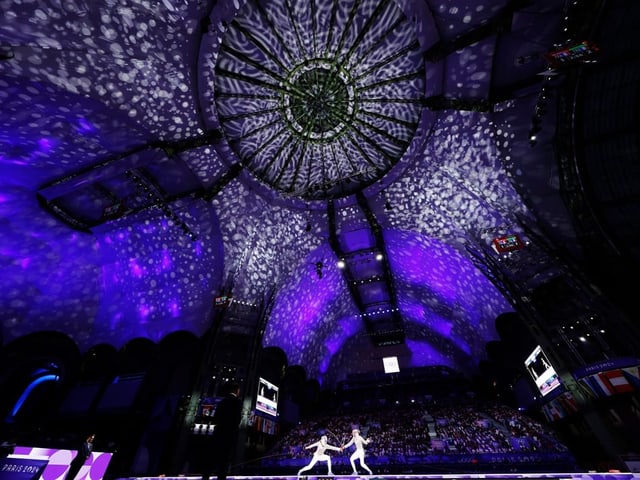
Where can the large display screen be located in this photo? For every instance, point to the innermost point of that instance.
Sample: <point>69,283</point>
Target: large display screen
<point>507,243</point>
<point>267,397</point>
<point>391,365</point>
<point>572,54</point>
<point>540,369</point>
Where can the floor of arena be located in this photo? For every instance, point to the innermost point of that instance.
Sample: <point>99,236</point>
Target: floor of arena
<point>456,476</point>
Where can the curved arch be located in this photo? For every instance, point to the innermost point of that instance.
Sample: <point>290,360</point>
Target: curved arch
<point>137,355</point>
<point>273,364</point>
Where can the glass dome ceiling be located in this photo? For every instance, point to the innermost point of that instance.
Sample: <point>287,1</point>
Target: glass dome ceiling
<point>318,100</point>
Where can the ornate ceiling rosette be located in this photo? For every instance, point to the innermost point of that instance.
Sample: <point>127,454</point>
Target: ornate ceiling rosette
<point>319,99</point>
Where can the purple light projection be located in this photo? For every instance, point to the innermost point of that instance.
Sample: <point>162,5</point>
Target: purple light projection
<point>448,306</point>
<point>73,282</point>
<point>156,280</point>
<point>104,83</point>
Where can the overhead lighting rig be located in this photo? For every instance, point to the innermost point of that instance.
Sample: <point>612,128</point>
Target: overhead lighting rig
<point>156,199</point>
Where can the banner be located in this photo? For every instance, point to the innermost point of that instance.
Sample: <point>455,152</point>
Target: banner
<point>21,468</point>
<point>57,462</point>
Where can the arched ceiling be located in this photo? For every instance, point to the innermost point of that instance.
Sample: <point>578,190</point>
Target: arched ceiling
<point>152,155</point>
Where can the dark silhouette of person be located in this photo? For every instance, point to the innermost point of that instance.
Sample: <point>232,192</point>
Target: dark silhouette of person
<point>83,453</point>
<point>7,447</point>
<point>226,419</point>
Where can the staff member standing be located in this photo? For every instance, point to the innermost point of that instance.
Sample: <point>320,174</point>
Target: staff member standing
<point>226,419</point>
<point>83,453</point>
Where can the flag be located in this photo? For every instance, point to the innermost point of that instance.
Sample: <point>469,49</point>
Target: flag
<point>616,381</point>
<point>632,374</point>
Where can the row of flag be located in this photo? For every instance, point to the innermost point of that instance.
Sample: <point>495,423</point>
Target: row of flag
<point>611,382</point>
<point>264,425</point>
<point>600,384</point>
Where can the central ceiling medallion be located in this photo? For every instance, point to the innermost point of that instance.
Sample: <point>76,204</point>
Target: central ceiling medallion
<point>319,102</point>
<point>318,99</point>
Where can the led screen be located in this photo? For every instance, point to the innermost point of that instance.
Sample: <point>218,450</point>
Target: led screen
<point>507,243</point>
<point>267,397</point>
<point>391,364</point>
<point>540,369</point>
<point>222,301</point>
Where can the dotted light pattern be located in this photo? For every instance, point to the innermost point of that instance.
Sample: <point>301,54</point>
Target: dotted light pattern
<point>320,113</point>
<point>86,83</point>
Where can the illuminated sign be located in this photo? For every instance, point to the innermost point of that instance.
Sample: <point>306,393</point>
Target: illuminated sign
<point>507,243</point>
<point>222,301</point>
<point>391,364</point>
<point>572,54</point>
